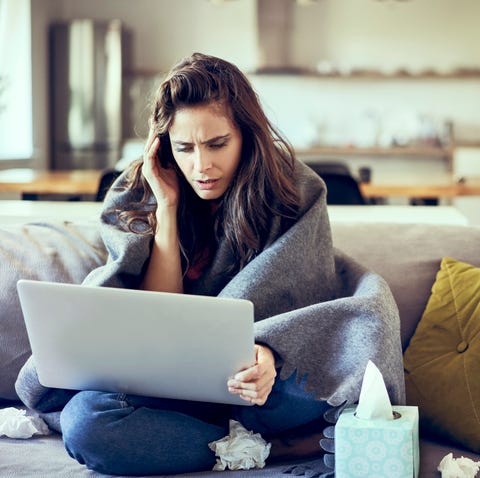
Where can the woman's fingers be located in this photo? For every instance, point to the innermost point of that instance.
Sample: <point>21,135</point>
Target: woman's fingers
<point>255,383</point>
<point>149,143</point>
<point>149,160</point>
<point>253,387</point>
<point>150,154</point>
<point>257,395</point>
<point>162,181</point>
<point>151,147</point>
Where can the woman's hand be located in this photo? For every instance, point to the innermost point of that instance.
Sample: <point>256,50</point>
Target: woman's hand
<point>254,384</point>
<point>162,181</point>
<point>164,271</point>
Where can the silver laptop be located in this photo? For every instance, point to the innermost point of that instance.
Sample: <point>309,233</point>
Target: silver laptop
<point>138,342</point>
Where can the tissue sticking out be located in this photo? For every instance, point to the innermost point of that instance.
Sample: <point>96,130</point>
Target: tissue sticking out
<point>374,402</point>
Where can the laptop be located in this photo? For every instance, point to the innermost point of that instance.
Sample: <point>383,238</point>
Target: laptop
<point>138,342</point>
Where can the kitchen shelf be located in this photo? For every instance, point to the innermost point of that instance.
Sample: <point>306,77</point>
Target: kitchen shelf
<point>459,74</point>
<point>413,151</point>
<point>401,74</point>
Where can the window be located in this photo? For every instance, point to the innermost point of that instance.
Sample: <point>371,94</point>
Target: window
<point>16,136</point>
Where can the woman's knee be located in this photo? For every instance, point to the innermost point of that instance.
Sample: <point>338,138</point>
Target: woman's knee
<point>111,436</point>
<point>86,427</point>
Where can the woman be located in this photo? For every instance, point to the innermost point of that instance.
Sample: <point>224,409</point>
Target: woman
<point>218,205</point>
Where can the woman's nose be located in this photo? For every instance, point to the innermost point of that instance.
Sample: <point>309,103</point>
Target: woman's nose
<point>202,161</point>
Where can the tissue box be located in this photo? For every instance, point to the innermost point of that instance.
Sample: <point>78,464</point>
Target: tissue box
<point>377,448</point>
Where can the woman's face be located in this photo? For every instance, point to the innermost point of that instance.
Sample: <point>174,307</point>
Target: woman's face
<point>207,147</point>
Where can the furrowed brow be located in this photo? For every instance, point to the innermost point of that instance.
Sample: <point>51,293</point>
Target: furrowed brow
<point>216,138</point>
<point>181,143</point>
<point>207,141</point>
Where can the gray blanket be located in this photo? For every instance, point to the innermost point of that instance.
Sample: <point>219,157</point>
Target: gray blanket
<point>313,305</point>
<point>324,314</point>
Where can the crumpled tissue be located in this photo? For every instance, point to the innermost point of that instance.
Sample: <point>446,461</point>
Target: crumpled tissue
<point>458,467</point>
<point>241,449</point>
<point>15,423</point>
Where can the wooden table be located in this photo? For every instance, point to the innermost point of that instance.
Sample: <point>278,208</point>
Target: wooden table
<point>31,184</point>
<point>448,189</point>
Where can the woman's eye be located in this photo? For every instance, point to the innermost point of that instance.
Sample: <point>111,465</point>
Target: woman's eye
<point>183,149</point>
<point>218,145</point>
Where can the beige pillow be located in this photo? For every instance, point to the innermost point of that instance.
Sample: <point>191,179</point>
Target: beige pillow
<point>442,361</point>
<point>57,252</point>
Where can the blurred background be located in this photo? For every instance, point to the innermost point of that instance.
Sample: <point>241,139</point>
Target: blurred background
<point>390,87</point>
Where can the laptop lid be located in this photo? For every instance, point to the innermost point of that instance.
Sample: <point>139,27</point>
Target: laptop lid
<point>138,342</point>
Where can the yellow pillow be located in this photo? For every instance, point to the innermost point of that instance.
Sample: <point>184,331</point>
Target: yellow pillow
<point>442,361</point>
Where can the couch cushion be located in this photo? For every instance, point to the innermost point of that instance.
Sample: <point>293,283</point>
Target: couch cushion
<point>408,257</point>
<point>48,453</point>
<point>432,451</point>
<point>442,360</point>
<point>59,252</point>
<point>45,456</point>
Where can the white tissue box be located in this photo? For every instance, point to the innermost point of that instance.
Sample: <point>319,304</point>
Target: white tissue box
<point>377,447</point>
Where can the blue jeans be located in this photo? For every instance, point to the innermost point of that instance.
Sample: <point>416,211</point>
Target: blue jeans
<point>126,434</point>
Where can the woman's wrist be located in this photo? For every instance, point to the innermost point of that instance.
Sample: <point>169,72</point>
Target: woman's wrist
<point>164,269</point>
<point>166,218</point>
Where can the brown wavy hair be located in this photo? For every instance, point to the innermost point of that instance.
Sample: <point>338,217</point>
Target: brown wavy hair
<point>263,186</point>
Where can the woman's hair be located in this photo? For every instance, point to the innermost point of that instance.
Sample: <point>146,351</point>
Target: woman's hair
<point>263,186</point>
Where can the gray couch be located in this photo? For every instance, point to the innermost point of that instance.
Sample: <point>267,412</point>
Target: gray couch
<point>407,255</point>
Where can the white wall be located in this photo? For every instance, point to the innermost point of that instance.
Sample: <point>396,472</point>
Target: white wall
<point>387,35</point>
<point>345,111</point>
<point>166,30</point>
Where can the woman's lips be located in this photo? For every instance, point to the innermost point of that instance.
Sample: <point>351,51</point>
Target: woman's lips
<point>206,184</point>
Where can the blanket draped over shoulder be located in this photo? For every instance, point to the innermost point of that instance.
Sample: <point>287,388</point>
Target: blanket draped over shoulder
<point>323,313</point>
